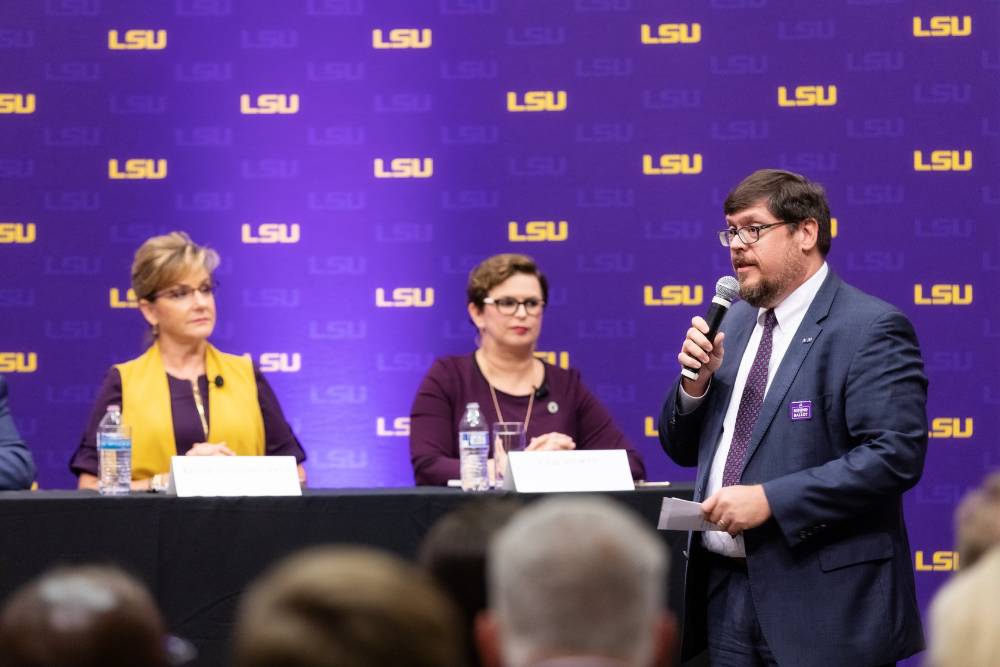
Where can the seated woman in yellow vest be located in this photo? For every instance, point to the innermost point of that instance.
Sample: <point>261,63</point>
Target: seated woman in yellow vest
<point>183,396</point>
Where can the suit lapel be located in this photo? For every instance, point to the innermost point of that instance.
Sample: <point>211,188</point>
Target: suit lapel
<point>798,349</point>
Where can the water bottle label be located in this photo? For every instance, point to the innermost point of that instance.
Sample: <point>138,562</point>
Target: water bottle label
<point>107,442</point>
<point>473,440</point>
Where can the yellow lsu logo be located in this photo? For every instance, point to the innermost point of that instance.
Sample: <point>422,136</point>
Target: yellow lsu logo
<point>280,362</point>
<point>833,228</point>
<point>951,427</point>
<point>672,33</point>
<point>402,38</point>
<point>138,40</point>
<point>130,300</point>
<point>674,295</point>
<point>808,96</point>
<point>400,427</point>
<point>943,26</point>
<point>16,103</point>
<point>18,232</point>
<point>941,561</point>
<point>650,428</point>
<point>405,167</point>
<point>538,230</point>
<point>269,103</point>
<point>138,169</point>
<point>18,362</point>
<point>405,297</point>
<point>537,100</point>
<point>271,233</point>
<point>672,164</point>
<point>943,161</point>
<point>943,295</point>
<point>560,359</point>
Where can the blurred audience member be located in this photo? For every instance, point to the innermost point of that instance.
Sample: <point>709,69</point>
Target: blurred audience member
<point>576,581</point>
<point>89,616</point>
<point>454,553</point>
<point>964,615</point>
<point>346,607</point>
<point>977,521</point>
<point>16,467</point>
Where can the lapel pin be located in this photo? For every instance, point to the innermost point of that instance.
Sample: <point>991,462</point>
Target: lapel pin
<point>807,339</point>
<point>553,407</point>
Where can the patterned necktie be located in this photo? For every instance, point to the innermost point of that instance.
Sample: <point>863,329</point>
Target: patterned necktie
<point>753,398</point>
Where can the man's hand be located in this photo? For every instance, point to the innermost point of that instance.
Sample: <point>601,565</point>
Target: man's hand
<point>698,353</point>
<point>737,508</point>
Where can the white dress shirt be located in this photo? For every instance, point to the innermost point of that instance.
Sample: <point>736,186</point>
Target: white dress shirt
<point>789,314</point>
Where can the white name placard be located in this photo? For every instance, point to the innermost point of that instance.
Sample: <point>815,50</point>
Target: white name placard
<point>234,476</point>
<point>565,471</point>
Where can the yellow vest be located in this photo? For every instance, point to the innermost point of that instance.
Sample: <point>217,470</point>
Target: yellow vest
<point>233,409</point>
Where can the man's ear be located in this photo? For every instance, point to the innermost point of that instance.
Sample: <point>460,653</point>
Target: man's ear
<point>810,233</point>
<point>665,646</point>
<point>488,639</point>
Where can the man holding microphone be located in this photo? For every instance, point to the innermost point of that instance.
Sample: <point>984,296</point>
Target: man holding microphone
<point>807,422</point>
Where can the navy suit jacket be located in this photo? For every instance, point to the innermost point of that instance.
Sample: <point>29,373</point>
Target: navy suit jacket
<point>830,571</point>
<point>17,470</point>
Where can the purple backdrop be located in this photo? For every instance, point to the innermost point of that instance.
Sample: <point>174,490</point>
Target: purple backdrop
<point>352,159</point>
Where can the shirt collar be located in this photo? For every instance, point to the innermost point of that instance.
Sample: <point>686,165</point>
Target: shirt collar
<point>794,306</point>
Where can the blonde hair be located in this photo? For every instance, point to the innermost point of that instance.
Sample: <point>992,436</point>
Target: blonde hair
<point>963,617</point>
<point>346,607</point>
<point>163,260</point>
<point>977,520</point>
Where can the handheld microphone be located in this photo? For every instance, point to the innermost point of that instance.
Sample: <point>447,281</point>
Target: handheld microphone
<point>218,381</point>
<point>727,290</point>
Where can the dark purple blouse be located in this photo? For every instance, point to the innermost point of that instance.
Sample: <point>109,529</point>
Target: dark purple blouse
<point>278,437</point>
<point>562,405</point>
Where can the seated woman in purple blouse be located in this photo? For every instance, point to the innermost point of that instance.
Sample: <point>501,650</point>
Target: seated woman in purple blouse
<point>507,295</point>
<point>183,396</point>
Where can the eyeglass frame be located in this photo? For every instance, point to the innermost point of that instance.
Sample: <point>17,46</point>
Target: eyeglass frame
<point>727,235</point>
<point>185,291</point>
<point>535,310</point>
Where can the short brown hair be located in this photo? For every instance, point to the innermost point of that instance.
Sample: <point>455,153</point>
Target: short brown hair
<point>790,197</point>
<point>346,607</point>
<point>494,270</point>
<point>85,616</point>
<point>977,521</point>
<point>163,260</point>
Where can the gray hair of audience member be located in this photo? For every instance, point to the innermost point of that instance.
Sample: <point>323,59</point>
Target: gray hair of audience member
<point>977,520</point>
<point>963,617</point>
<point>86,616</point>
<point>346,607</point>
<point>577,576</point>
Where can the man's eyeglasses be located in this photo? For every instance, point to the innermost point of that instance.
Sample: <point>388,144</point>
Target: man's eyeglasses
<point>748,235</point>
<point>508,305</point>
<point>184,292</point>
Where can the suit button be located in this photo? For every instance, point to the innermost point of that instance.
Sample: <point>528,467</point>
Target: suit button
<point>803,534</point>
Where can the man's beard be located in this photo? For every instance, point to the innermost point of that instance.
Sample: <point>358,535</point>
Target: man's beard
<point>766,292</point>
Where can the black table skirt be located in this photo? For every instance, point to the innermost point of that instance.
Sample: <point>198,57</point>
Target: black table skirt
<point>198,555</point>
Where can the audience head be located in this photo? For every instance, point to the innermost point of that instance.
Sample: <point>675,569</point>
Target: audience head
<point>454,554</point>
<point>963,617</point>
<point>88,616</point>
<point>172,278</point>
<point>576,577</point>
<point>977,521</point>
<point>346,607</point>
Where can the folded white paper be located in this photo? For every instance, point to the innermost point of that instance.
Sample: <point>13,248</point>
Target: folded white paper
<point>234,476</point>
<point>573,470</point>
<point>677,514</point>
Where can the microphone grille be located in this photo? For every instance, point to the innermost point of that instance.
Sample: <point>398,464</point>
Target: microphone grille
<point>728,288</point>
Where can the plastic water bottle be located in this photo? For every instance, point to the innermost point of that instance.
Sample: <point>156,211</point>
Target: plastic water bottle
<point>474,450</point>
<point>114,451</point>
